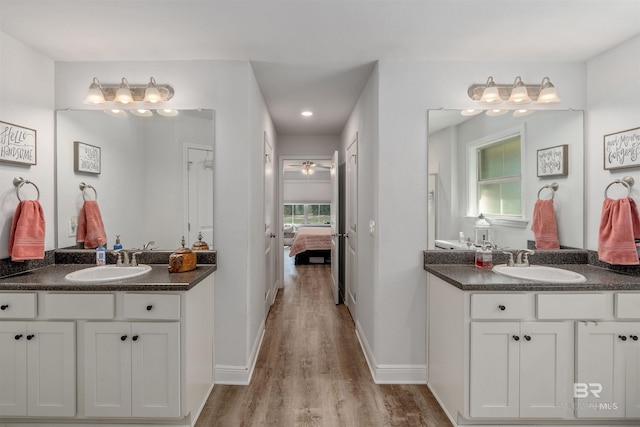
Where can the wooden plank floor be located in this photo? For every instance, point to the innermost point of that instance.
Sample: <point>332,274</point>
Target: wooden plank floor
<point>311,370</point>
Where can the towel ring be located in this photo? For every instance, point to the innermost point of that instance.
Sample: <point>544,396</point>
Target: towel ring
<point>19,181</point>
<point>84,187</point>
<point>553,187</point>
<point>627,181</point>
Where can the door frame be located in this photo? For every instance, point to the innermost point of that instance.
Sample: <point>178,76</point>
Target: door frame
<point>280,210</point>
<point>186,146</point>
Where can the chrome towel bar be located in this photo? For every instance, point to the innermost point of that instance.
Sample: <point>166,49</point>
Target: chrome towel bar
<point>19,181</point>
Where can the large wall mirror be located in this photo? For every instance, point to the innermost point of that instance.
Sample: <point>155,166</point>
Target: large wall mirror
<point>454,196</point>
<point>153,176</point>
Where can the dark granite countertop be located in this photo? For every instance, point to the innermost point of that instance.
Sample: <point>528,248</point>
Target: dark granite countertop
<point>458,269</point>
<point>469,278</point>
<point>51,278</point>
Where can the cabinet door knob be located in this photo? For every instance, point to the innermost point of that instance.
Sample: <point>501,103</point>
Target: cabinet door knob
<point>149,307</point>
<point>4,306</point>
<point>622,337</point>
<point>17,337</point>
<point>527,337</point>
<point>123,338</point>
<point>134,338</point>
<point>30,337</point>
<point>516,338</point>
<point>634,337</point>
<point>502,307</point>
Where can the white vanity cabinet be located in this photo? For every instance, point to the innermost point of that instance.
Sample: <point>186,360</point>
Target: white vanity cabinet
<point>608,367</point>
<point>132,369</point>
<point>37,369</point>
<point>520,369</point>
<point>88,357</point>
<point>508,358</point>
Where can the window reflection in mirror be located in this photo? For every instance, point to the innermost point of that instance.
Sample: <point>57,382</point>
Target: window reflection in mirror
<point>155,181</point>
<point>453,175</point>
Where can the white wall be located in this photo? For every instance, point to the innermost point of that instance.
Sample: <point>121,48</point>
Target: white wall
<point>27,100</point>
<point>613,90</point>
<point>307,145</point>
<point>364,122</point>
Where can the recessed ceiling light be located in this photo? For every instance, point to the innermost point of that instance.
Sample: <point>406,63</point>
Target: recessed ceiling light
<point>307,113</point>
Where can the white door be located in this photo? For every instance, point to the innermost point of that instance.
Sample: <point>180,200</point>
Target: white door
<point>351,215</point>
<point>107,369</point>
<point>493,371</point>
<point>51,369</point>
<point>155,369</point>
<point>270,285</point>
<point>13,369</point>
<point>200,195</point>
<point>335,247</point>
<point>546,369</point>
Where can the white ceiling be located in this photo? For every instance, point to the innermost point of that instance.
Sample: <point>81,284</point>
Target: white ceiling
<point>318,54</point>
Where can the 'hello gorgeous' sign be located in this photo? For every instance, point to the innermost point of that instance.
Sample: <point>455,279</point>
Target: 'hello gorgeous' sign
<point>622,149</point>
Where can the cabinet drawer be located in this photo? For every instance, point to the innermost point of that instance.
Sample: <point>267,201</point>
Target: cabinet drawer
<point>78,306</point>
<point>151,306</point>
<point>575,306</point>
<point>18,305</point>
<point>502,306</point>
<point>627,306</point>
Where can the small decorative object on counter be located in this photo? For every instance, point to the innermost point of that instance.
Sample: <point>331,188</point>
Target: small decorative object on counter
<point>184,259</point>
<point>484,255</point>
<point>482,230</point>
<point>117,245</point>
<point>199,245</point>
<point>101,255</point>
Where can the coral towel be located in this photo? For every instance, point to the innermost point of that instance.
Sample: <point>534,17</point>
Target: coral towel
<point>90,226</point>
<point>26,240</point>
<point>619,227</point>
<point>543,225</point>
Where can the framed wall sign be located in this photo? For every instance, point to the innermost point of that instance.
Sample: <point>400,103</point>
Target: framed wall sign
<point>86,158</point>
<point>17,144</point>
<point>553,161</point>
<point>622,149</point>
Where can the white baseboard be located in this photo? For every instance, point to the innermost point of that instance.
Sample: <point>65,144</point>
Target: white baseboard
<point>240,375</point>
<point>390,374</point>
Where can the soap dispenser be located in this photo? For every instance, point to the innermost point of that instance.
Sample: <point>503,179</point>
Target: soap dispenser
<point>117,245</point>
<point>484,255</point>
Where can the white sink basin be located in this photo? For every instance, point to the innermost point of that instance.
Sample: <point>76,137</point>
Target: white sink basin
<point>540,273</point>
<point>105,273</point>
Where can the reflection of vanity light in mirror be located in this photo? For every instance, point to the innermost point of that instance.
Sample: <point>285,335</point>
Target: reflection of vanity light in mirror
<point>140,112</point>
<point>470,112</point>
<point>116,113</point>
<point>496,112</point>
<point>522,113</point>
<point>167,112</point>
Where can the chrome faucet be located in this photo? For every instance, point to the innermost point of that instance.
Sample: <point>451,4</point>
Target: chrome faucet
<point>123,257</point>
<point>522,257</point>
<point>146,245</point>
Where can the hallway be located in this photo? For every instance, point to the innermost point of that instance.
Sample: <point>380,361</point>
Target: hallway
<point>311,370</point>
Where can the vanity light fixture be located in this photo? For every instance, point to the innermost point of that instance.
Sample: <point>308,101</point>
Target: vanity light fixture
<point>522,113</point>
<point>517,93</point>
<point>115,113</point>
<point>125,94</point>
<point>306,113</point>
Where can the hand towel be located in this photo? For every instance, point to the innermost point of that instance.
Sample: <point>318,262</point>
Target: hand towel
<point>90,226</point>
<point>26,240</point>
<point>543,225</point>
<point>619,227</point>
